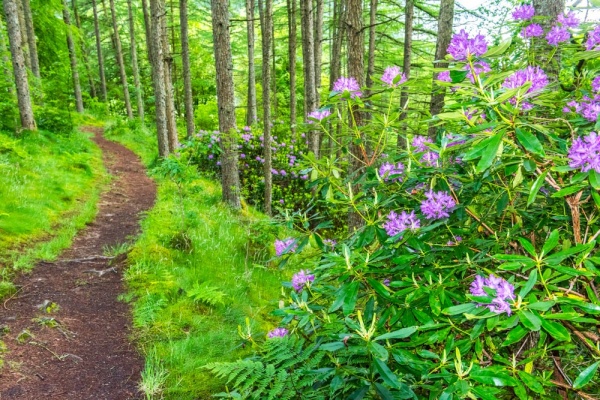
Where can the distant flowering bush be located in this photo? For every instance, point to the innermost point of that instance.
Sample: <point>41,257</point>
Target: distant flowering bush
<point>584,153</point>
<point>285,246</point>
<point>278,333</point>
<point>390,172</point>
<point>301,279</point>
<point>319,115</point>
<point>391,74</point>
<point>569,20</point>
<point>504,291</point>
<point>462,47</point>
<point>524,12</point>
<point>347,85</point>
<point>558,35</point>
<point>398,223</point>
<point>437,205</point>
<point>533,30</point>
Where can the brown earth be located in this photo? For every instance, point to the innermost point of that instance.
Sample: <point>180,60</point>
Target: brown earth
<point>65,331</point>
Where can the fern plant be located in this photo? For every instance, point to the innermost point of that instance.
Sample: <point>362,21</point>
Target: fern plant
<point>204,293</point>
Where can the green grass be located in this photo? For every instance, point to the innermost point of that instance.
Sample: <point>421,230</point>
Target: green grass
<point>49,187</point>
<point>196,273</point>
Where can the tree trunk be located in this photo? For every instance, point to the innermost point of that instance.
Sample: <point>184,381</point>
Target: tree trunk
<point>158,76</point>
<point>444,35</point>
<point>308,60</point>
<point>226,102</point>
<point>251,112</point>
<point>33,55</point>
<point>291,4</point>
<point>18,62</point>
<point>73,59</point>
<point>335,66</point>
<point>147,28</point>
<point>318,52</point>
<point>266,19</point>
<point>134,64</point>
<point>409,13</point>
<point>120,62</point>
<point>99,52</point>
<point>356,65</point>
<point>170,99</point>
<point>371,52</point>
<point>187,75</point>
<point>5,60</point>
<point>274,73</point>
<point>23,28</point>
<point>84,53</point>
<point>549,10</point>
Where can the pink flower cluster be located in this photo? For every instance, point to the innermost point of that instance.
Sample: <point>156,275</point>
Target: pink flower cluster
<point>462,47</point>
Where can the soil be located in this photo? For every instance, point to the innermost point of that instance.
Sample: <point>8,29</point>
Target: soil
<point>66,333</point>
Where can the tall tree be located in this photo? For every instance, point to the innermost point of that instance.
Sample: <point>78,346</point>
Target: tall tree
<point>226,102</point>
<point>335,66</point>
<point>33,53</point>
<point>99,52</point>
<point>147,27</point>
<point>371,52</point>
<point>18,62</point>
<point>187,75</point>
<point>170,95</point>
<point>266,19</point>
<point>120,62</point>
<point>4,58</point>
<point>308,61</point>
<point>24,38</point>
<point>157,11</point>
<point>291,6</point>
<point>356,66</point>
<point>73,59</point>
<point>546,55</point>
<point>318,51</point>
<point>84,51</point>
<point>251,109</point>
<point>134,64</point>
<point>409,14</point>
<point>444,34</point>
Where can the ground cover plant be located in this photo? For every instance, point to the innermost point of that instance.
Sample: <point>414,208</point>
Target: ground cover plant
<point>49,185</point>
<point>197,272</point>
<point>474,272</point>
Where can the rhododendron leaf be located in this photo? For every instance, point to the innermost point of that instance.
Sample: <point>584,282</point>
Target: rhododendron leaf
<point>533,275</point>
<point>530,320</point>
<point>451,116</point>
<point>458,76</point>
<point>530,142</point>
<point>586,55</point>
<point>556,330</point>
<point>532,383</point>
<point>528,246</point>
<point>351,297</point>
<point>551,242</point>
<point>386,374</point>
<point>498,50</point>
<point>568,190</point>
<point>399,334</point>
<point>489,152</point>
<point>594,179</point>
<point>516,334</point>
<point>586,376</point>
<point>459,309</point>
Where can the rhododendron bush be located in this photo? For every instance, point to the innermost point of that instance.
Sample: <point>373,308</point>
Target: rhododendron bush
<point>476,272</point>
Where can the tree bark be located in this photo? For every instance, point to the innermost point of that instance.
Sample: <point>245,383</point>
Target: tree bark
<point>99,52</point>
<point>291,4</point>
<point>120,62</point>
<point>308,61</point>
<point>33,54</point>
<point>73,59</point>
<point>371,52</point>
<point>134,64</point>
<point>251,109</point>
<point>318,52</point>
<point>409,13</point>
<point>266,18</point>
<point>170,99</point>
<point>147,28</point>
<point>549,10</point>
<point>5,60</point>
<point>18,62</point>
<point>335,66</point>
<point>356,65</point>
<point>445,20</point>
<point>84,52</point>
<point>24,38</point>
<point>158,76</point>
<point>187,75</point>
<point>226,102</point>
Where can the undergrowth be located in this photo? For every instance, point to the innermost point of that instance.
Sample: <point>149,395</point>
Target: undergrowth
<point>49,187</point>
<point>197,273</point>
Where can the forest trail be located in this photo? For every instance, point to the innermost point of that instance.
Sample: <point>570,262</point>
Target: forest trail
<point>80,349</point>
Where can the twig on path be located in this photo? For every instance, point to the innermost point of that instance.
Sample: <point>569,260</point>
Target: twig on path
<point>103,271</point>
<point>13,296</point>
<point>86,259</point>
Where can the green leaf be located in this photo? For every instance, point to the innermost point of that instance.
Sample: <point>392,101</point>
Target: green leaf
<point>383,392</point>
<point>351,297</point>
<point>489,152</point>
<point>459,309</point>
<point>378,351</point>
<point>567,191</point>
<point>333,346</point>
<point>551,242</point>
<point>594,179</point>
<point>535,188</point>
<point>541,305</point>
<point>458,76</point>
<point>533,275</point>
<point>556,330</point>
<point>530,320</point>
<point>359,393</point>
<point>516,334</point>
<point>528,246</point>
<point>451,116</point>
<point>530,142</point>
<point>498,50</point>
<point>532,383</point>
<point>399,334</point>
<point>586,376</point>
<point>386,374</point>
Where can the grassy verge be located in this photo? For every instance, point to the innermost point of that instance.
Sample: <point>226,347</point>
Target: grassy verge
<point>196,273</point>
<point>49,187</point>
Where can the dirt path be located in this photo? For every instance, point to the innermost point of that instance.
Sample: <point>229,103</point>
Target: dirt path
<point>87,355</point>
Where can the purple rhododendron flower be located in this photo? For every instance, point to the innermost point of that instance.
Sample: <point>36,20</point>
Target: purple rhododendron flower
<point>300,279</point>
<point>461,47</point>
<point>596,84</point>
<point>390,74</point>
<point>585,153</point>
<point>387,170</point>
<point>437,205</point>
<point>504,291</point>
<point>523,12</point>
<point>288,245</point>
<point>430,158</point>
<point>590,109</point>
<point>444,76</point>
<point>246,128</point>
<point>278,333</point>
<point>593,39</point>
<point>557,34</point>
<point>397,224</point>
<point>533,30</point>
<point>329,242</point>
<point>535,75</point>
<point>247,137</point>
<point>319,115</point>
<point>569,20</point>
<point>418,143</point>
<point>479,67</point>
<point>347,84</point>
<point>386,282</point>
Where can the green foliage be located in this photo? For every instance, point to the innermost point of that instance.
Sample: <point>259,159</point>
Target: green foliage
<point>204,293</point>
<point>54,119</point>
